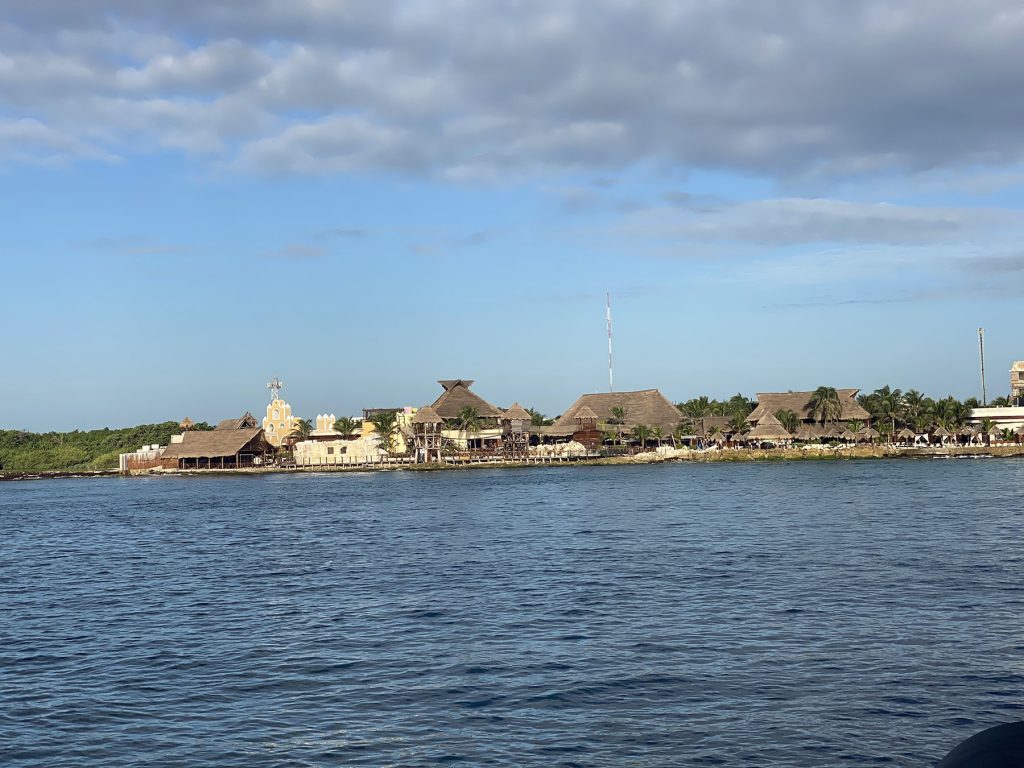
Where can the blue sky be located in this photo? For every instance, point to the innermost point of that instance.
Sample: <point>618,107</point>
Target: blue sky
<point>829,193</point>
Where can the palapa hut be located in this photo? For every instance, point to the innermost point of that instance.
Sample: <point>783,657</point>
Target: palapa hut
<point>457,397</point>
<point>799,403</point>
<point>426,434</point>
<point>646,407</point>
<point>218,449</point>
<point>515,432</point>
<point>807,433</point>
<point>769,430</point>
<point>942,433</point>
<point>848,435</point>
<point>738,437</point>
<point>870,434</point>
<point>186,424</point>
<point>906,435</point>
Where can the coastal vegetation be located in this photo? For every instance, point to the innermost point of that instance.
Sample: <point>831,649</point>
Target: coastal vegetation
<point>22,451</point>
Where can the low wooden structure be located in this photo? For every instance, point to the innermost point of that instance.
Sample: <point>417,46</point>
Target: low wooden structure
<point>218,449</point>
<point>587,433</point>
<point>426,435</point>
<point>515,432</point>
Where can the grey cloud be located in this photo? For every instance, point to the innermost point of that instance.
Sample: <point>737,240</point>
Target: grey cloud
<point>789,221</point>
<point>296,252</point>
<point>994,265</point>
<point>469,91</point>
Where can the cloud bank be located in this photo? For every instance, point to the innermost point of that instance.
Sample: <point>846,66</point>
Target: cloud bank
<point>486,90</point>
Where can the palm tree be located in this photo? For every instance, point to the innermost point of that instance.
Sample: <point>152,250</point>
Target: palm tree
<point>913,405</point>
<point>346,426</point>
<point>1007,434</point>
<point>538,419</point>
<point>304,427</point>
<point>618,418</point>
<point>658,434</point>
<point>468,421</point>
<point>738,404</point>
<point>789,420</point>
<point>825,405</point>
<point>696,410</point>
<point>855,425</point>
<point>642,433</point>
<point>385,423</point>
<point>888,406</point>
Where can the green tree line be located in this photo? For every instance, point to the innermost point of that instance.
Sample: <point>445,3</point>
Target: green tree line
<point>22,451</point>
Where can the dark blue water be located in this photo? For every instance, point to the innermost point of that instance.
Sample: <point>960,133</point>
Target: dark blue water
<point>814,614</point>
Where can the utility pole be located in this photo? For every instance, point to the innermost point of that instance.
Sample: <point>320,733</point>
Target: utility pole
<point>981,354</point>
<point>608,317</point>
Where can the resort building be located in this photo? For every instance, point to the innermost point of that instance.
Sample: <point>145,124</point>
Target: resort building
<point>452,405</point>
<point>222,448</point>
<point>1017,383</point>
<point>593,415</point>
<point>800,404</point>
<point>1002,417</point>
<point>279,421</point>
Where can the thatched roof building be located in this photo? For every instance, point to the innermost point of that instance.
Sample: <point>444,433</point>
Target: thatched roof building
<point>248,421</point>
<point>426,415</point>
<point>799,403</point>
<point>516,412</point>
<point>457,395</point>
<point>647,406</point>
<point>769,428</point>
<point>218,447</point>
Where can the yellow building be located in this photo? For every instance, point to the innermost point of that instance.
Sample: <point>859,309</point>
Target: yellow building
<point>279,422</point>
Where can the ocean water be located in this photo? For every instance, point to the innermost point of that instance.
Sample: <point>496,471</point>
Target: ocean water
<point>812,614</point>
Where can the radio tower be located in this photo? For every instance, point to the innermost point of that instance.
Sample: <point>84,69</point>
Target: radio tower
<point>608,316</point>
<point>274,385</point>
<point>981,355</point>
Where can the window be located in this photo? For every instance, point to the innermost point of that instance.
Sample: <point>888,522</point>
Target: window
<point>277,414</point>
<point>330,451</point>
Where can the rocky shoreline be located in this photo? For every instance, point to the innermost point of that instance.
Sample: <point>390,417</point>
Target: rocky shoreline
<point>665,456</point>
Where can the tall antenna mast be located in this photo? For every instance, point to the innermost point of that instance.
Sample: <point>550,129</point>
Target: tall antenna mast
<point>274,385</point>
<point>608,316</point>
<point>981,354</point>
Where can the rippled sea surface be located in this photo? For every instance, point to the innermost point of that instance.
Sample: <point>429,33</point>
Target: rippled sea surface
<point>813,614</point>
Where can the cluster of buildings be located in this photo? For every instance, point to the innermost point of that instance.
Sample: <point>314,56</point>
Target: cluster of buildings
<point>460,423</point>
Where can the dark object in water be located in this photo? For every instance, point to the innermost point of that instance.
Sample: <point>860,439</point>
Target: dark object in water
<point>998,747</point>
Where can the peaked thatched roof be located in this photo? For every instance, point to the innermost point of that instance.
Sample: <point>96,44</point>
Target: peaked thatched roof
<point>797,402</point>
<point>647,406</point>
<point>906,433</point>
<point>806,433</point>
<point>215,443</point>
<point>516,411</point>
<point>870,433</point>
<point>187,423</point>
<point>586,413</point>
<point>769,428</point>
<point>248,421</point>
<point>426,415</point>
<point>457,396</point>
<point>942,432</point>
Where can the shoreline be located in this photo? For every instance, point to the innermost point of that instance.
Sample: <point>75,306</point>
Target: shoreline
<point>680,456</point>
